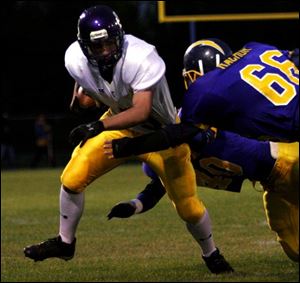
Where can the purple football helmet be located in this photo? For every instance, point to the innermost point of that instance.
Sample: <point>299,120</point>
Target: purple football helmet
<point>203,56</point>
<point>96,25</point>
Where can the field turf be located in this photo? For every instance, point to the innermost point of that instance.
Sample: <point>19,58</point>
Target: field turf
<point>150,247</point>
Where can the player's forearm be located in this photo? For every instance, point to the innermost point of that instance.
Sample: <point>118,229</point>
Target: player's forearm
<point>126,119</point>
<point>170,136</point>
<point>151,195</point>
<point>138,113</point>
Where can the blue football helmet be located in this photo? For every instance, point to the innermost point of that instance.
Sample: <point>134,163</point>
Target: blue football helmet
<point>203,56</point>
<point>97,25</point>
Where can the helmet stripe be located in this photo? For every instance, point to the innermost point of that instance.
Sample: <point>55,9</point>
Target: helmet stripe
<point>200,63</point>
<point>206,42</point>
<point>217,59</point>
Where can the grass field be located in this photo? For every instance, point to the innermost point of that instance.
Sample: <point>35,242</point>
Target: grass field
<point>151,247</point>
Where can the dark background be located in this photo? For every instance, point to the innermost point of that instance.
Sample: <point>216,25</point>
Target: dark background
<point>35,35</point>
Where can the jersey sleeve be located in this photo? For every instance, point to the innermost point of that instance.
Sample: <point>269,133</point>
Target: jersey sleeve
<point>77,66</point>
<point>71,56</point>
<point>142,67</point>
<point>150,72</point>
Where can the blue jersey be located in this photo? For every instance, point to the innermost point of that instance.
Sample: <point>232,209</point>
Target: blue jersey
<point>255,93</point>
<point>230,159</point>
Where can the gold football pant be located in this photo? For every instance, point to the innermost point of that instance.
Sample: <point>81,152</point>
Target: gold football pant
<point>281,199</point>
<point>173,166</point>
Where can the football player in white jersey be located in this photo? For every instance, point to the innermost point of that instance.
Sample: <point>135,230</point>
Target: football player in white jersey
<point>126,74</point>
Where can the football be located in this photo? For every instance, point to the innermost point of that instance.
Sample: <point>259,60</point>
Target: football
<point>84,100</point>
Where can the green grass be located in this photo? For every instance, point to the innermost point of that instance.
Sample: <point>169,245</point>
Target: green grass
<point>151,247</point>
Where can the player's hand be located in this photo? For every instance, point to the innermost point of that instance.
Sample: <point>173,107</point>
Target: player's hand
<point>108,149</point>
<point>122,210</point>
<point>85,131</point>
<point>203,138</point>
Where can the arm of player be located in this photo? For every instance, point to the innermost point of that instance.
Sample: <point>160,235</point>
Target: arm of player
<point>143,202</point>
<point>170,136</point>
<point>138,113</point>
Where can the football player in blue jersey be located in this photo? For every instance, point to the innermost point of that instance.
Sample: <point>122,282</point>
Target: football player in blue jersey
<point>253,92</point>
<point>224,164</point>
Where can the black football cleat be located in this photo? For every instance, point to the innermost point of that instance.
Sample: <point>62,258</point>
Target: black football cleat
<point>53,247</point>
<point>217,264</point>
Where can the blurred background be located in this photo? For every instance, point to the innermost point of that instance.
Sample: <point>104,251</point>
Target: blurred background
<point>36,89</point>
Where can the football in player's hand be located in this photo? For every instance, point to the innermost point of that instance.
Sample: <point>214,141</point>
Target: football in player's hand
<point>84,100</point>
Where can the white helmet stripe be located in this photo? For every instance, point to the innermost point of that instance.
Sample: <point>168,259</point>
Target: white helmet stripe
<point>200,63</point>
<point>217,59</point>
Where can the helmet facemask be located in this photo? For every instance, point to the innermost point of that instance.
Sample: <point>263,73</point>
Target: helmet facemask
<point>190,76</point>
<point>94,51</point>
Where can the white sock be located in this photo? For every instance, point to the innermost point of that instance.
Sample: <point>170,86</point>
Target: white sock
<point>71,209</point>
<point>202,233</point>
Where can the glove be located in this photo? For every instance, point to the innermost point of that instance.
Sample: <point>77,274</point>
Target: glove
<point>122,210</point>
<point>203,138</point>
<point>85,131</point>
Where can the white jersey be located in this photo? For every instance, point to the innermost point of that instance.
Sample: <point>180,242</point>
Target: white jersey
<point>139,68</point>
